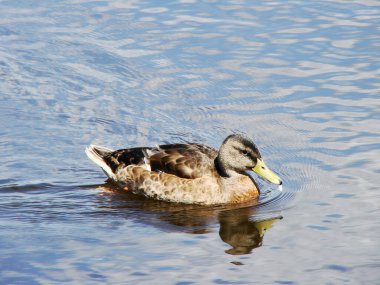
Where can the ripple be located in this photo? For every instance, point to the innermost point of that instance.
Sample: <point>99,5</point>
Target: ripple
<point>10,188</point>
<point>275,201</point>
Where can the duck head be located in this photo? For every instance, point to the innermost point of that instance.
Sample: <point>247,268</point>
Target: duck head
<point>239,154</point>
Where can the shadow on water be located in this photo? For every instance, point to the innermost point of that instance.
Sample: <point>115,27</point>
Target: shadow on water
<point>241,226</point>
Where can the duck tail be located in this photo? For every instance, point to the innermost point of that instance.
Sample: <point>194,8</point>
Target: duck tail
<point>97,154</point>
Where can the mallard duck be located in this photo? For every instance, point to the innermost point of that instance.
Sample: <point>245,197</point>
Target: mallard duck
<point>187,173</point>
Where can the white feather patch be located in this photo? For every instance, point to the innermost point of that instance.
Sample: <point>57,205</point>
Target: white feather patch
<point>95,157</point>
<point>147,164</point>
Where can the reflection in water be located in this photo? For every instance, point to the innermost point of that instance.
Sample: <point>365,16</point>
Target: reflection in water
<point>239,227</point>
<point>240,232</point>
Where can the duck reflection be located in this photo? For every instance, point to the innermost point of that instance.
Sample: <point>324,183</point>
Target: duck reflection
<point>243,234</point>
<point>241,228</point>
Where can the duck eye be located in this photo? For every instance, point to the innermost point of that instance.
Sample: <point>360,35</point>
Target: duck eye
<point>245,152</point>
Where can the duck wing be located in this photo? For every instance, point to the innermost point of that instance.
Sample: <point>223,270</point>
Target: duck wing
<point>182,160</point>
<point>124,157</point>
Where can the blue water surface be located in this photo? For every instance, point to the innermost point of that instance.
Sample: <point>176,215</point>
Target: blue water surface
<point>301,78</point>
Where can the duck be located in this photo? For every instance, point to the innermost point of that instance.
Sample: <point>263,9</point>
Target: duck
<point>189,173</point>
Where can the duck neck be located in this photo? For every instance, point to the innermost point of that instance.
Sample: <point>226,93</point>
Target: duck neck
<point>220,167</point>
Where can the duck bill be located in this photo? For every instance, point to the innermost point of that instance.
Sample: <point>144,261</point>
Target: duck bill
<point>264,172</point>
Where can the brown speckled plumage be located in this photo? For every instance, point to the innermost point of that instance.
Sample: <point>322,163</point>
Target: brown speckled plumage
<point>184,173</point>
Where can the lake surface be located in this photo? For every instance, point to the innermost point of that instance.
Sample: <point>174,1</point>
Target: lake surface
<point>301,78</point>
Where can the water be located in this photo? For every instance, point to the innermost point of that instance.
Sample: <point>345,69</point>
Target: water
<point>299,77</point>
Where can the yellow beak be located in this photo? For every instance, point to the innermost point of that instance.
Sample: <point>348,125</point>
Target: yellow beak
<point>262,170</point>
